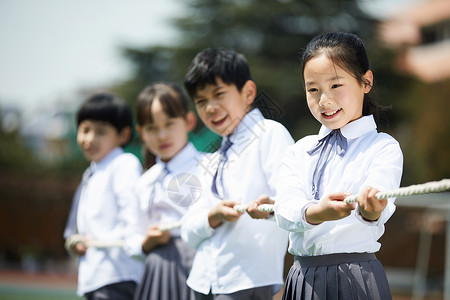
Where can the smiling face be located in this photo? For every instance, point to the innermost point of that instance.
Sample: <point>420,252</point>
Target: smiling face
<point>335,97</point>
<point>222,106</point>
<point>97,138</point>
<point>165,136</point>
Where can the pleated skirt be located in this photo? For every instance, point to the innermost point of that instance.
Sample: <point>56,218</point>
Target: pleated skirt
<point>166,270</point>
<point>342,276</point>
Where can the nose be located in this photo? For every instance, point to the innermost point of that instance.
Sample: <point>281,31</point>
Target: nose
<point>211,107</point>
<point>324,100</point>
<point>162,133</point>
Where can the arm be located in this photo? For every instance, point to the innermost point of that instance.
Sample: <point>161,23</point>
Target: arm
<point>384,174</point>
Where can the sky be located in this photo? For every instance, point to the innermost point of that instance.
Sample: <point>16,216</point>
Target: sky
<point>52,48</point>
<point>49,49</point>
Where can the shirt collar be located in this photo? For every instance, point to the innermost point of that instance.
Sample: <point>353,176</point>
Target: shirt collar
<point>353,129</point>
<point>179,159</point>
<point>246,124</point>
<point>106,160</point>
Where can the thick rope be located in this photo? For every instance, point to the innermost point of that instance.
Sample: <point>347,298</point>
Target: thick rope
<point>418,189</point>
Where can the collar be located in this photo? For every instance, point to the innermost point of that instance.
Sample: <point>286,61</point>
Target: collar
<point>179,159</point>
<point>106,160</point>
<point>247,123</point>
<point>353,129</point>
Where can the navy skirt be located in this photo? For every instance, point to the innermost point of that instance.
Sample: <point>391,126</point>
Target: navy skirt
<point>166,270</point>
<point>345,276</point>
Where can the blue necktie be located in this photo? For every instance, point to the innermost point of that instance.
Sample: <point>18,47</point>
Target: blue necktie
<point>325,144</point>
<point>219,172</point>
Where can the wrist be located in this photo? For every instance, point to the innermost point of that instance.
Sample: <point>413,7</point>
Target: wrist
<point>312,215</point>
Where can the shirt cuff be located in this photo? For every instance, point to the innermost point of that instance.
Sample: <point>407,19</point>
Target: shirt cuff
<point>365,221</point>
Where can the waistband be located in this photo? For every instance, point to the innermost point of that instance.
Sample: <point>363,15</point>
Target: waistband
<point>331,259</point>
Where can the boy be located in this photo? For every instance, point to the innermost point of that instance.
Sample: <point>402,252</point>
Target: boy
<point>237,257</point>
<point>104,204</point>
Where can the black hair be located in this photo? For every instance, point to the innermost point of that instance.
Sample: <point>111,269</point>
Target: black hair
<point>347,51</point>
<point>106,108</point>
<point>209,64</point>
<point>173,101</point>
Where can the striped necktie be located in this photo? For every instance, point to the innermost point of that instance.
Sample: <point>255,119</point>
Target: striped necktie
<point>218,176</point>
<point>325,145</point>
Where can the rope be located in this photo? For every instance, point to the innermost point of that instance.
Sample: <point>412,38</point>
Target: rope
<point>418,189</point>
<point>76,238</point>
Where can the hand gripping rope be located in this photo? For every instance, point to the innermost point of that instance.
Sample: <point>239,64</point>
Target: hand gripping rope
<point>418,189</point>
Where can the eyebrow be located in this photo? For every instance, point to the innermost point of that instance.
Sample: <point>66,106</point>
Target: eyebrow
<point>218,87</point>
<point>332,78</point>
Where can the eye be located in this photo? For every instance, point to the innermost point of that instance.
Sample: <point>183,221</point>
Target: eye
<point>312,90</point>
<point>200,102</point>
<point>219,94</point>
<point>335,86</point>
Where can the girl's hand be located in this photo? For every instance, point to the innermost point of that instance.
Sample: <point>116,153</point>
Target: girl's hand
<point>369,205</point>
<point>330,207</point>
<point>223,211</point>
<point>79,249</point>
<point>252,208</point>
<point>154,238</point>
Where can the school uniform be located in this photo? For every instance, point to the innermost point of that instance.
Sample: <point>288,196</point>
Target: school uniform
<point>248,253</point>
<point>105,207</point>
<point>371,159</point>
<point>165,192</point>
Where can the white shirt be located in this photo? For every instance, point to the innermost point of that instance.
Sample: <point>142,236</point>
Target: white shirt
<point>249,253</point>
<point>106,206</point>
<point>372,159</point>
<point>165,200</point>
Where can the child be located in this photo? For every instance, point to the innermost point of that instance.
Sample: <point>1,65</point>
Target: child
<point>237,257</point>
<point>334,242</point>
<point>104,203</point>
<point>164,122</point>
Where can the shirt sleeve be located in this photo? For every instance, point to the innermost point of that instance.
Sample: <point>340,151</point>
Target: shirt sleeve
<point>291,199</point>
<point>276,140</point>
<point>128,204</point>
<point>384,175</point>
<point>195,226</point>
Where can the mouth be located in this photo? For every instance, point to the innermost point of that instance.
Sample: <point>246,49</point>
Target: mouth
<point>218,121</point>
<point>164,146</point>
<point>329,114</point>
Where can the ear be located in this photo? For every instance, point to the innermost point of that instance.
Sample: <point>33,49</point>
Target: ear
<point>249,92</point>
<point>368,81</point>
<point>191,120</point>
<point>125,135</point>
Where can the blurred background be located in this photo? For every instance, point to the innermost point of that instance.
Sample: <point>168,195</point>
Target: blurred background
<point>54,54</point>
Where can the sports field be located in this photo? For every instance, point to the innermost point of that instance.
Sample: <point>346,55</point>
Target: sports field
<point>19,285</point>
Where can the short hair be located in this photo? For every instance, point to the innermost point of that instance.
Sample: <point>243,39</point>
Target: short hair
<point>209,64</point>
<point>106,108</point>
<point>172,98</point>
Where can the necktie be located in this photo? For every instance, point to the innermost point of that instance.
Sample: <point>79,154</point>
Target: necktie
<point>325,145</point>
<point>71,226</point>
<point>218,176</point>
<point>158,184</point>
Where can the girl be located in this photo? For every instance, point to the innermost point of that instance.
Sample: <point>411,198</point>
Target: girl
<point>334,242</point>
<point>164,122</point>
